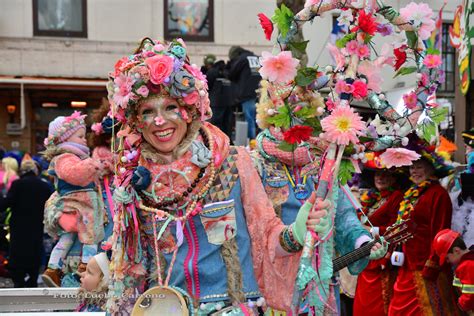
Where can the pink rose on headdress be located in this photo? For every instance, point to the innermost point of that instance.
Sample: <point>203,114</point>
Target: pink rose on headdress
<point>143,91</point>
<point>160,67</point>
<point>191,98</point>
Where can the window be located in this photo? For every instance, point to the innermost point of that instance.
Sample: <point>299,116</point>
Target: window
<point>449,61</point>
<point>192,20</point>
<point>63,18</point>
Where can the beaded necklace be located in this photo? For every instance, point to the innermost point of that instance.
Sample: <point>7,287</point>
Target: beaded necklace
<point>191,209</point>
<point>410,198</point>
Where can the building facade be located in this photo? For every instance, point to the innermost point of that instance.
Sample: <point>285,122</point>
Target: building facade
<point>54,52</point>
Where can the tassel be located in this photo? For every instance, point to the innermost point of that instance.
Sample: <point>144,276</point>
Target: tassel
<point>179,233</point>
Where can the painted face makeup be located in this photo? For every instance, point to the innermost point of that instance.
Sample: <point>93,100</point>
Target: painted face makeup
<point>164,126</point>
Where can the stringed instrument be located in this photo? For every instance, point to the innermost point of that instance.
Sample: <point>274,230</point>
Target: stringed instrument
<point>394,234</point>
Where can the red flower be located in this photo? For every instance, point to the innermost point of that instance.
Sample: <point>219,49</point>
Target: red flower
<point>297,134</point>
<point>367,23</point>
<point>266,24</point>
<point>360,90</point>
<point>400,57</point>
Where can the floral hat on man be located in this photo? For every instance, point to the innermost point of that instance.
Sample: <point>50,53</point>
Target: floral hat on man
<point>157,68</point>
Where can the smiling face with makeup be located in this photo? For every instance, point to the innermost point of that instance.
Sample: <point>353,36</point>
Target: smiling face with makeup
<point>163,124</point>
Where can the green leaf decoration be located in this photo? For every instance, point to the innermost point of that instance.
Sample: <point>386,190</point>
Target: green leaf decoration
<point>412,39</point>
<point>432,51</point>
<point>367,39</point>
<point>405,71</point>
<point>282,119</point>
<point>299,47</point>
<point>365,139</point>
<point>315,124</point>
<point>306,112</point>
<point>341,43</point>
<point>349,150</point>
<point>438,114</point>
<point>305,76</point>
<point>283,18</point>
<point>346,169</point>
<point>428,130</point>
<point>287,146</point>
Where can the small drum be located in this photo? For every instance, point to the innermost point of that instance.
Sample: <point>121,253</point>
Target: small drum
<point>161,300</point>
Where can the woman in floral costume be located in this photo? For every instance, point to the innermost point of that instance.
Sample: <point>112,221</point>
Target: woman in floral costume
<point>289,177</point>
<point>192,214</point>
<point>379,209</point>
<point>422,286</point>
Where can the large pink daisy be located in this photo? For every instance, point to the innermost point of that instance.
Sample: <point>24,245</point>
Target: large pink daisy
<point>398,157</point>
<point>280,68</point>
<point>343,126</point>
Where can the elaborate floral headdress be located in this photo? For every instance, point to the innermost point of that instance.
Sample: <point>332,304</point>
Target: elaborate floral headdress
<point>157,68</point>
<point>62,127</point>
<point>355,76</point>
<point>443,167</point>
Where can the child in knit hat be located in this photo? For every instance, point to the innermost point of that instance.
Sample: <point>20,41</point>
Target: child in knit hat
<point>94,284</point>
<point>75,210</point>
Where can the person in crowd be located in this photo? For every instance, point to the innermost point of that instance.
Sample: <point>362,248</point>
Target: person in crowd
<point>290,177</point>
<point>468,137</point>
<point>243,72</point>
<point>449,246</point>
<point>208,62</point>
<point>462,196</point>
<point>192,216</point>
<point>422,286</point>
<point>10,173</point>
<point>220,95</point>
<point>379,210</point>
<point>26,199</point>
<point>94,284</point>
<point>75,209</point>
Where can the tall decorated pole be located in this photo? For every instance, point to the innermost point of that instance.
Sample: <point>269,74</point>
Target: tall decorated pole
<point>340,132</point>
